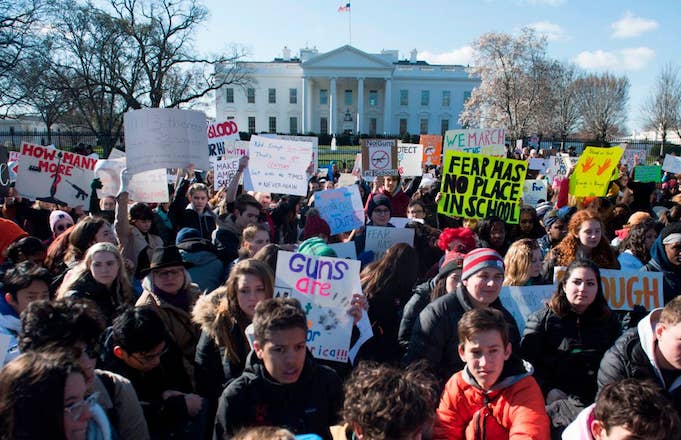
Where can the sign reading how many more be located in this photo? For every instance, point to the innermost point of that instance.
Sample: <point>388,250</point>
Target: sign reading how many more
<point>593,171</point>
<point>277,166</point>
<point>475,186</point>
<point>324,286</point>
<point>486,141</point>
<point>379,157</point>
<point>341,208</point>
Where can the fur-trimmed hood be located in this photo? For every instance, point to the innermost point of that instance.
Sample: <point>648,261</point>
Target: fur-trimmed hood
<point>205,314</point>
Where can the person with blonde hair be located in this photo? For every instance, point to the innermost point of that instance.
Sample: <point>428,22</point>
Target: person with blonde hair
<point>523,264</point>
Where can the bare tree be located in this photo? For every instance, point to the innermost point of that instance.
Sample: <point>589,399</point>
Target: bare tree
<point>602,104</point>
<point>662,110</point>
<point>566,114</point>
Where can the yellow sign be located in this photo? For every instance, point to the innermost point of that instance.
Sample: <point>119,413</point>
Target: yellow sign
<point>593,171</point>
<point>476,186</point>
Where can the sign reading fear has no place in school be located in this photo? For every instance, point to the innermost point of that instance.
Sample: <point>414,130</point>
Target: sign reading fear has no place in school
<point>476,186</point>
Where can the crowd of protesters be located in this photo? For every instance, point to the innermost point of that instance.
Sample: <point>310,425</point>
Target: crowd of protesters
<point>157,321</point>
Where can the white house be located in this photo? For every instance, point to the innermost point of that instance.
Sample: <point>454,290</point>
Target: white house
<point>347,90</point>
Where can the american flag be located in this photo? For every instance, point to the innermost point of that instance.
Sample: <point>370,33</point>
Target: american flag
<point>345,8</point>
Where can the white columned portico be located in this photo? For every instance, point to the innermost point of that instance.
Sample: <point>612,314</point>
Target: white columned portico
<point>386,106</point>
<point>304,128</point>
<point>360,105</point>
<point>332,106</point>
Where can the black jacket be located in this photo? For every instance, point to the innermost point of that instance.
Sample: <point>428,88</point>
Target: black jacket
<point>671,274</point>
<point>435,336</point>
<point>183,216</point>
<point>566,352</point>
<point>107,300</point>
<point>309,406</point>
<point>214,370</point>
<point>418,301</point>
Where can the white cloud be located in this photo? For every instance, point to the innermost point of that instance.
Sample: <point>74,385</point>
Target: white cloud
<point>553,32</point>
<point>632,26</point>
<point>463,55</point>
<point>625,59</point>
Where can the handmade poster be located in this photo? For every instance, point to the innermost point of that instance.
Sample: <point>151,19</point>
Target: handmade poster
<point>521,302</point>
<point>4,172</point>
<point>55,176</point>
<point>409,159</point>
<point>277,166</point>
<point>559,165</point>
<point>219,135</point>
<point>379,239</point>
<point>624,289</point>
<point>14,156</point>
<point>538,164</point>
<point>672,164</point>
<point>115,153</point>
<point>165,138</point>
<point>324,286</point>
<point>148,186</point>
<point>311,139</point>
<point>648,173</point>
<point>379,157</point>
<point>486,141</point>
<point>593,171</point>
<point>345,250</point>
<point>341,208</point>
<point>346,179</point>
<point>477,186</point>
<point>402,222</point>
<point>357,166</point>
<point>432,149</point>
<point>534,191</point>
<point>226,165</point>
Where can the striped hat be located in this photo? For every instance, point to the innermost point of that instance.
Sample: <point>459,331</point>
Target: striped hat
<point>479,259</point>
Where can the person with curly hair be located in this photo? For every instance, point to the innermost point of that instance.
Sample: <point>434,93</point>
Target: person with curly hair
<point>523,264</point>
<point>635,248</point>
<point>528,225</point>
<point>492,233</point>
<point>461,240</point>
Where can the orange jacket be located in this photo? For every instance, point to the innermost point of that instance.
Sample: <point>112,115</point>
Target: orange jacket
<point>512,409</point>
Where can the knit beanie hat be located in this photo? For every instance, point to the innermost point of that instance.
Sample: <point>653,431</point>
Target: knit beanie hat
<point>479,259</point>
<point>452,262</point>
<point>187,234</point>
<point>9,233</point>
<point>315,225</point>
<point>378,200</point>
<point>316,247</point>
<point>57,215</point>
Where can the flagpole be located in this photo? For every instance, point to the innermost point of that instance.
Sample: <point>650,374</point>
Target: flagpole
<point>350,24</point>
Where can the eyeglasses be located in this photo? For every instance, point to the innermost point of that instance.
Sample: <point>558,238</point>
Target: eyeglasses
<point>149,357</point>
<point>63,227</point>
<point>75,410</point>
<point>168,273</point>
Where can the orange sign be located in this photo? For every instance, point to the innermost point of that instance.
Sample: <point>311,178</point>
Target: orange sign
<point>432,149</point>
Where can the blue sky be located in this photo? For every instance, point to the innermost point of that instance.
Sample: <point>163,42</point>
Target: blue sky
<point>632,38</point>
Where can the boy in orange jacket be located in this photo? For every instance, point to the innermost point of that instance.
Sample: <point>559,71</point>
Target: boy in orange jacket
<point>495,396</point>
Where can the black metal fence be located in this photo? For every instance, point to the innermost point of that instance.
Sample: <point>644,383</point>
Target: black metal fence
<point>64,140</point>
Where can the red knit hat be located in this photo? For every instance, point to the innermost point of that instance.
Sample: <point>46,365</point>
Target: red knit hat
<point>479,259</point>
<point>9,233</point>
<point>315,225</point>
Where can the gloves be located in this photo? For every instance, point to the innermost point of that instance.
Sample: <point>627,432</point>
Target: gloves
<point>96,184</point>
<point>125,181</point>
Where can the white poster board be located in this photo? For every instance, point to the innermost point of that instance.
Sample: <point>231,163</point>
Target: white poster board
<point>410,159</point>
<point>560,164</point>
<point>290,137</point>
<point>226,165</point>
<point>534,191</point>
<point>345,250</point>
<point>672,164</point>
<point>346,179</point>
<point>521,302</point>
<point>277,166</point>
<point>165,138</point>
<point>55,176</point>
<point>220,134</point>
<point>324,286</point>
<point>541,165</point>
<point>341,208</point>
<point>379,239</point>
<point>148,186</point>
<point>486,141</point>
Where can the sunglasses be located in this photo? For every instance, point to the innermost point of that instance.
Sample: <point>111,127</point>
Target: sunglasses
<point>75,410</point>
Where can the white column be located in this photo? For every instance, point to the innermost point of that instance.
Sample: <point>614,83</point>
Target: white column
<point>309,96</point>
<point>360,105</point>
<point>304,127</point>
<point>332,106</point>
<point>386,107</point>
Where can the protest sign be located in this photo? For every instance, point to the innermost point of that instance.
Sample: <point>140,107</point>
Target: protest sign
<point>148,186</point>
<point>633,154</point>
<point>346,179</point>
<point>624,289</point>
<point>14,156</point>
<point>648,173</point>
<point>4,346</point>
<point>55,176</point>
<point>559,165</point>
<point>409,159</point>
<point>476,186</point>
<point>345,250</point>
<point>400,222</point>
<point>522,301</point>
<point>534,191</point>
<point>220,133</point>
<point>115,153</point>
<point>311,139</point>
<point>432,149</point>
<point>165,138</point>
<point>4,172</point>
<point>357,166</point>
<point>226,165</point>
<point>277,166</point>
<point>341,208</point>
<point>486,141</point>
<point>672,164</point>
<point>379,157</point>
<point>593,171</point>
<point>324,286</point>
<point>379,239</point>
<point>538,164</point>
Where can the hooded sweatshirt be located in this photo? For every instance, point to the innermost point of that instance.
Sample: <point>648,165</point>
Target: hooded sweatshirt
<point>580,428</point>
<point>671,280</point>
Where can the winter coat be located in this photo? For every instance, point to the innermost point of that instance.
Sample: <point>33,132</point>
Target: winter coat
<point>117,398</point>
<point>629,261</point>
<point>134,243</point>
<point>183,215</point>
<point>633,356</point>
<point>580,428</point>
<point>108,300</point>
<point>227,238</point>
<point>308,406</point>
<point>511,409</point>
<point>435,335</point>
<point>567,351</point>
<point>671,274</point>
<point>10,325</point>
<point>208,271</point>
<point>418,301</point>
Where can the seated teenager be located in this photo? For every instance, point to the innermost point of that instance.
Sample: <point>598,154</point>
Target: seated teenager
<point>495,395</point>
<point>282,384</point>
<point>628,409</point>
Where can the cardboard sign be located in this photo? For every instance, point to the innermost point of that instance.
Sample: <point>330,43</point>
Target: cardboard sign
<point>345,250</point>
<point>409,159</point>
<point>432,149</point>
<point>277,166</point>
<point>541,165</point>
<point>624,289</point>
<point>55,176</point>
<point>148,186</point>
<point>534,191</point>
<point>559,165</point>
<point>672,164</point>
<point>324,286</point>
<point>593,171</point>
<point>165,138</point>
<point>379,239</point>
<point>489,141</point>
<point>521,302</point>
<point>4,172</point>
<point>379,157</point>
<point>227,165</point>
<point>476,186</point>
<point>648,173</point>
<point>311,139</point>
<point>346,179</point>
<point>341,208</point>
